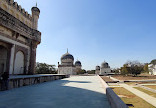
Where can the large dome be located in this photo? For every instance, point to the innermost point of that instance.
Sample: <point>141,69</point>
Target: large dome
<point>105,65</point>
<point>77,63</point>
<point>67,59</point>
<point>67,56</point>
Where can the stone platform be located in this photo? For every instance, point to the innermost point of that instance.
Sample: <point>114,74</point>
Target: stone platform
<point>73,92</point>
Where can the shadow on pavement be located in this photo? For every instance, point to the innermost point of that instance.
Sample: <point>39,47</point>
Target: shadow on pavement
<point>53,95</point>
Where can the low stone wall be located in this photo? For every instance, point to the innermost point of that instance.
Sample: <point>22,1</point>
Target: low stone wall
<point>113,98</point>
<point>25,80</point>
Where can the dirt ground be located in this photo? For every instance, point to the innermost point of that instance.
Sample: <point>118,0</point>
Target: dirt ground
<point>121,77</point>
<point>106,78</point>
<point>130,98</point>
<point>151,86</point>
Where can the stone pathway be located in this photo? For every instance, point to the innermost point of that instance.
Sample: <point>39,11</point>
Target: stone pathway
<point>74,92</point>
<point>148,84</point>
<point>114,79</point>
<point>141,94</point>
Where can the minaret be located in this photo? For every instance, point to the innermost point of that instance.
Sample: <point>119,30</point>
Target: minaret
<point>34,43</point>
<point>35,16</point>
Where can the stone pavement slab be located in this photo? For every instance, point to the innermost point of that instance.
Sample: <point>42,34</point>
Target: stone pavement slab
<point>74,92</point>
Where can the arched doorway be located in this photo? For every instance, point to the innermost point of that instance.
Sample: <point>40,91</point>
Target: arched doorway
<point>19,63</point>
<point>3,59</point>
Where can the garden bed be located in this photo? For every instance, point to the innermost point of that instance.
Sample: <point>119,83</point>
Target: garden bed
<point>131,99</point>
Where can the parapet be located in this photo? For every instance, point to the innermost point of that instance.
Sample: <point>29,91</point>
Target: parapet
<point>12,4</point>
<point>17,11</point>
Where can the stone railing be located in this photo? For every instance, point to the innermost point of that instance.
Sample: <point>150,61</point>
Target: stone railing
<point>19,81</point>
<point>18,8</point>
<point>113,98</point>
<point>16,25</point>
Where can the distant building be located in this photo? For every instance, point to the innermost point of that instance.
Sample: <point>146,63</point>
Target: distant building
<point>97,70</point>
<point>19,38</point>
<point>152,69</point>
<point>78,66</point>
<point>67,65</point>
<point>104,69</point>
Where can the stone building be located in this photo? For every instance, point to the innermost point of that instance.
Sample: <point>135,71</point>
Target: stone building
<point>19,38</point>
<point>78,66</point>
<point>97,70</point>
<point>104,69</point>
<point>67,65</point>
<point>152,69</point>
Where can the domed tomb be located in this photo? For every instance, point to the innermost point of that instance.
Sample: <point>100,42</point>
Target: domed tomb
<point>105,65</point>
<point>97,68</point>
<point>67,59</point>
<point>105,68</point>
<point>67,67</point>
<point>77,63</point>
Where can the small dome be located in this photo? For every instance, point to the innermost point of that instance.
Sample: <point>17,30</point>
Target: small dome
<point>35,9</point>
<point>105,65</point>
<point>67,56</point>
<point>77,63</point>
<point>97,67</point>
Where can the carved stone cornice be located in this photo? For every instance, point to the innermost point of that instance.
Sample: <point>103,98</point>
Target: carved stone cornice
<point>9,21</point>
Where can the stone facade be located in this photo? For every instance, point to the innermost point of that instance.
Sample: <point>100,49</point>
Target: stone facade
<point>19,38</point>
<point>152,69</point>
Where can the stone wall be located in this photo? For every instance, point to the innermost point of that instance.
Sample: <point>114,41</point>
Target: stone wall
<point>20,81</point>
<point>67,70</point>
<point>17,11</point>
<point>113,98</point>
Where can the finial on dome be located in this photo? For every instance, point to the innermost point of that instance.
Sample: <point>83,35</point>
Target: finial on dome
<point>36,4</point>
<point>67,50</point>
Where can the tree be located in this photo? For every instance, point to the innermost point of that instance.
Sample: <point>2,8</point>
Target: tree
<point>91,71</point>
<point>135,70</point>
<point>132,67</point>
<point>82,71</point>
<point>124,69</point>
<point>116,71</point>
<point>43,68</point>
<point>146,68</point>
<point>153,62</point>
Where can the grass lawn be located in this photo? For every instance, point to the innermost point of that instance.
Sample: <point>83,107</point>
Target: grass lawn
<point>131,83</point>
<point>151,86</point>
<point>146,91</point>
<point>130,98</point>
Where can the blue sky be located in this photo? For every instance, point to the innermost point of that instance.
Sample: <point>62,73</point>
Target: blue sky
<point>96,30</point>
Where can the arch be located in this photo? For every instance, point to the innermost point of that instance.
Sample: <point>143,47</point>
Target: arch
<point>19,63</point>
<point>3,59</point>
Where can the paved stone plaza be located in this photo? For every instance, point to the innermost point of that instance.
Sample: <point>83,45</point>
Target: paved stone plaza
<point>74,92</point>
